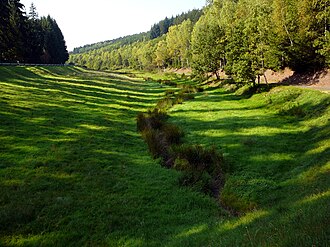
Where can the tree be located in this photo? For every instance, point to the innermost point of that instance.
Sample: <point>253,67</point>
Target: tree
<point>178,43</point>
<point>54,44</point>
<point>161,54</point>
<point>14,31</point>
<point>33,14</point>
<point>248,38</point>
<point>4,29</point>
<point>208,46</point>
<point>301,28</point>
<point>34,38</point>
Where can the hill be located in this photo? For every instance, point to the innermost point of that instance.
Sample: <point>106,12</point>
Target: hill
<point>156,31</point>
<point>74,170</point>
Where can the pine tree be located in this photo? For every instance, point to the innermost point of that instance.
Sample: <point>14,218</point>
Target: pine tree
<point>54,44</point>
<point>33,14</point>
<point>35,37</point>
<point>4,30</point>
<point>13,31</point>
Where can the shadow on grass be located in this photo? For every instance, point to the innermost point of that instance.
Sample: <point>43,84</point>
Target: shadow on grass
<point>274,163</point>
<point>74,171</point>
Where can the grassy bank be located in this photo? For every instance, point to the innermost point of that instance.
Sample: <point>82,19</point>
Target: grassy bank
<point>75,172</point>
<point>276,146</point>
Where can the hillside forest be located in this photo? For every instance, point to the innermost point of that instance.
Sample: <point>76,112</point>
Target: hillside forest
<point>241,37</point>
<point>28,38</point>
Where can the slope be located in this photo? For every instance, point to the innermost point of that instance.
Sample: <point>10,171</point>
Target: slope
<point>73,168</point>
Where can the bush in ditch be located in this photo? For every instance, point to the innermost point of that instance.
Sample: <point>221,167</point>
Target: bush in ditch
<point>172,133</point>
<point>157,144</point>
<point>150,120</point>
<point>165,104</point>
<point>200,159</point>
<point>201,167</point>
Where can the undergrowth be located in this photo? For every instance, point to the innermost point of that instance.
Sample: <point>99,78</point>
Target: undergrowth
<point>200,167</point>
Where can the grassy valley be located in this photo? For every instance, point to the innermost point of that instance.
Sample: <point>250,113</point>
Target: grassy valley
<point>75,171</point>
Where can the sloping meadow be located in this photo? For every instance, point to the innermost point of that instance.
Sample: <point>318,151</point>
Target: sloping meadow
<point>276,149</point>
<point>75,171</point>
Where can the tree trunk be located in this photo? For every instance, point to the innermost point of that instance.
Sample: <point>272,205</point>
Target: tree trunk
<point>266,79</point>
<point>217,75</point>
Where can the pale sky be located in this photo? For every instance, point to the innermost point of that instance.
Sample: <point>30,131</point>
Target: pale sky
<point>84,22</point>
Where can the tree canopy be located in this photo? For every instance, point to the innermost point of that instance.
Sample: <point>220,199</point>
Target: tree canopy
<point>243,38</point>
<point>28,38</point>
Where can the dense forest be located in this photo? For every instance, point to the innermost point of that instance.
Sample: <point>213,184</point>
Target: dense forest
<point>241,37</point>
<point>156,30</point>
<point>26,38</point>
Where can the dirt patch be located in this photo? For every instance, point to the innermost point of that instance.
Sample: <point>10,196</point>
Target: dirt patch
<point>181,71</point>
<point>275,77</point>
<point>319,80</point>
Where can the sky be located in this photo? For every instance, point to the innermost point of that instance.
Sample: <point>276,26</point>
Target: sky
<point>85,22</point>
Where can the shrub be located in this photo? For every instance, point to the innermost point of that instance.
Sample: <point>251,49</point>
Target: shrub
<point>170,93</point>
<point>201,167</point>
<point>200,159</point>
<point>170,83</point>
<point>165,103</point>
<point>172,133</point>
<point>245,90</point>
<point>182,97</point>
<point>198,181</point>
<point>157,144</point>
<point>150,120</point>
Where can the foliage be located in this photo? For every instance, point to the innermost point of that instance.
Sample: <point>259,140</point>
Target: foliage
<point>163,26</point>
<point>243,38</point>
<point>201,167</point>
<point>29,39</point>
<point>207,46</point>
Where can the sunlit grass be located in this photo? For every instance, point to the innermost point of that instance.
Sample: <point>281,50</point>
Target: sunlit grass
<point>75,171</point>
<point>275,158</point>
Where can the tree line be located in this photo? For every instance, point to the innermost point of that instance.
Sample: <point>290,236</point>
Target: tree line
<point>26,38</point>
<point>155,31</point>
<point>243,38</point>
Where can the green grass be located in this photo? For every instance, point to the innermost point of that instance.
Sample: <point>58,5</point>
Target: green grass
<point>75,172</point>
<point>276,145</point>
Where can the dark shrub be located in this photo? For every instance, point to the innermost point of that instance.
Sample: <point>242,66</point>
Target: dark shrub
<point>169,93</point>
<point>156,143</point>
<point>151,120</point>
<point>199,181</point>
<point>200,159</point>
<point>201,168</point>
<point>170,83</point>
<point>172,133</point>
<point>165,104</point>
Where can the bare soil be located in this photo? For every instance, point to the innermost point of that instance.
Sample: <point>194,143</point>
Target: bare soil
<point>319,80</point>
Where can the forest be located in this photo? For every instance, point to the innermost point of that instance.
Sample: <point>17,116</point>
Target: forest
<point>155,31</point>
<point>243,38</point>
<point>26,38</point>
